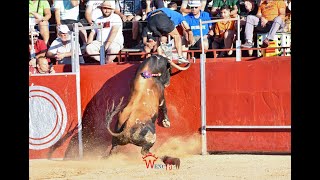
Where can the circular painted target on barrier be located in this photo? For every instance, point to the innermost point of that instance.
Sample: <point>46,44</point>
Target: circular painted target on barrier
<point>47,117</point>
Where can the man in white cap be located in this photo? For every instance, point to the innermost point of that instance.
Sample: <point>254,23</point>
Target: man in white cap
<point>110,35</point>
<point>185,9</point>
<point>60,49</point>
<point>193,19</point>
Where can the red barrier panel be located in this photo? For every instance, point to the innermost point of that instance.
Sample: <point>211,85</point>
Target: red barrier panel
<point>53,116</point>
<point>238,93</point>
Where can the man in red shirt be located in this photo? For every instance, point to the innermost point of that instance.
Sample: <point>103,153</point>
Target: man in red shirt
<point>37,48</point>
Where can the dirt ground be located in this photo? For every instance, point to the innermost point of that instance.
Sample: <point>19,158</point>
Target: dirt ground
<point>130,165</point>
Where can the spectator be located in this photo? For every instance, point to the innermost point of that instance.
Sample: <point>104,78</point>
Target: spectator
<point>60,49</point>
<point>38,49</point>
<point>111,33</point>
<point>92,11</point>
<point>40,13</point>
<point>287,27</point>
<point>130,10</point>
<point>233,5</point>
<point>164,21</point>
<point>67,12</point>
<point>150,42</point>
<point>250,8</point>
<point>42,67</point>
<point>193,19</point>
<point>173,6</point>
<point>270,19</point>
<point>185,9</point>
<point>224,31</point>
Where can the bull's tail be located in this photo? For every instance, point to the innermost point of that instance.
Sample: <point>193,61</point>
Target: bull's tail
<point>109,116</point>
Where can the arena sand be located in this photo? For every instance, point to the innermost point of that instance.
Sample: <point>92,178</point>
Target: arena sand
<point>128,164</point>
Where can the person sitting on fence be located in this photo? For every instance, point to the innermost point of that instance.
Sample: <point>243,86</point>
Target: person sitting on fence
<point>225,32</point>
<point>42,67</point>
<point>40,13</point>
<point>164,21</point>
<point>38,49</point>
<point>110,36</point>
<point>269,19</point>
<point>193,19</point>
<point>232,4</point>
<point>61,49</point>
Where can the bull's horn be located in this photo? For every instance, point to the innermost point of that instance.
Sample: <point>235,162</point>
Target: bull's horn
<point>179,67</point>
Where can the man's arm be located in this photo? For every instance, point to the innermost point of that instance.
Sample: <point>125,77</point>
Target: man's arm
<point>123,17</point>
<point>57,16</point>
<point>75,2</point>
<point>188,31</point>
<point>87,14</point>
<point>113,33</point>
<point>184,7</point>
<point>50,54</point>
<point>47,14</point>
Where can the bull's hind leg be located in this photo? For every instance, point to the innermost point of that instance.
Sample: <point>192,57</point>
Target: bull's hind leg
<point>163,107</point>
<point>114,147</point>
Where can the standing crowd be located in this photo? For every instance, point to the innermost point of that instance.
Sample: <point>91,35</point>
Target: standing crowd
<point>154,24</point>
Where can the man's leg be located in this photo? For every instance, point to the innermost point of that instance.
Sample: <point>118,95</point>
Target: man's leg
<point>93,49</point>
<point>184,47</point>
<point>177,42</point>
<point>278,23</point>
<point>135,27</point>
<point>83,36</point>
<point>250,23</point>
<point>228,40</point>
<point>114,48</point>
<point>44,31</point>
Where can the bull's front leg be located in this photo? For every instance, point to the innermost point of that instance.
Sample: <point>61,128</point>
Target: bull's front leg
<point>163,107</point>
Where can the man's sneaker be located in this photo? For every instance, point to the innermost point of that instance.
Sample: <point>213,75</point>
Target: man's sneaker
<point>182,60</point>
<point>139,46</point>
<point>221,54</point>
<point>167,49</point>
<point>247,44</point>
<point>265,43</point>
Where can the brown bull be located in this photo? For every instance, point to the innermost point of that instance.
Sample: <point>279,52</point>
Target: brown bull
<point>136,124</point>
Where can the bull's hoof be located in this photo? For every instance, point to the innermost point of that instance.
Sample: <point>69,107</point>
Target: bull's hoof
<point>166,123</point>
